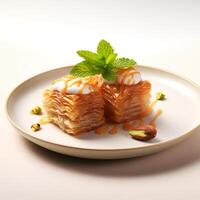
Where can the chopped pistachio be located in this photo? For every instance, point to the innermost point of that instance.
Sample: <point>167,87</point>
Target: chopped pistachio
<point>35,127</point>
<point>160,96</point>
<point>44,120</point>
<point>143,133</point>
<point>36,110</point>
<point>139,133</point>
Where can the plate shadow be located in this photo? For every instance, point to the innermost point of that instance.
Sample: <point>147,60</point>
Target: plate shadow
<point>179,156</point>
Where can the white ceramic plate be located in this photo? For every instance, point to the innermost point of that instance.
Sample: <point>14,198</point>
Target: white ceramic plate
<point>179,118</point>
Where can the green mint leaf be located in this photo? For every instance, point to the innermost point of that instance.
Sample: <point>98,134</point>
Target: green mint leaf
<point>104,48</point>
<point>104,62</point>
<point>90,57</point>
<point>123,63</point>
<point>109,75</point>
<point>84,69</point>
<point>111,58</point>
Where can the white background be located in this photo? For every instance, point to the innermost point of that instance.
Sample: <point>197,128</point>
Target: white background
<point>39,35</point>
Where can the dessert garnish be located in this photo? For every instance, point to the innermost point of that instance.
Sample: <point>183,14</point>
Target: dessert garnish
<point>35,127</point>
<point>160,96</point>
<point>128,76</point>
<point>77,85</point>
<point>104,62</point>
<point>143,133</point>
<point>36,110</point>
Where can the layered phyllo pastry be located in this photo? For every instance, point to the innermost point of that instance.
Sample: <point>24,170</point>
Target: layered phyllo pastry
<point>75,104</point>
<point>128,98</point>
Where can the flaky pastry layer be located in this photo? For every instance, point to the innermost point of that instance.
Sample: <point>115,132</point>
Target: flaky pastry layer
<point>127,102</point>
<point>74,113</point>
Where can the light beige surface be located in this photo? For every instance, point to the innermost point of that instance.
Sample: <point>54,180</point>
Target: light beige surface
<point>39,35</point>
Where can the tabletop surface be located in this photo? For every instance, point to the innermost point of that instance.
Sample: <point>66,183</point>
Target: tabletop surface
<point>36,36</point>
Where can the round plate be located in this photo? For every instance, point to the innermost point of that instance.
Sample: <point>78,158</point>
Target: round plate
<point>179,118</point>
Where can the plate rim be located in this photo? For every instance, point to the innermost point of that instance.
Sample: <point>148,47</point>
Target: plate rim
<point>154,145</point>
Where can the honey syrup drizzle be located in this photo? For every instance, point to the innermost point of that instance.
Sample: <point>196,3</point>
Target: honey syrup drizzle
<point>107,128</point>
<point>101,130</point>
<point>44,120</point>
<point>114,129</point>
<point>78,83</point>
<point>155,117</point>
<point>83,87</point>
<point>66,81</point>
<point>153,103</point>
<point>95,82</point>
<point>129,80</point>
<point>132,124</point>
<point>127,73</point>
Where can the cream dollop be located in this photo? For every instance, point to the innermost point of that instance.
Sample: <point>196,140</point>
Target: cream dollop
<point>73,86</point>
<point>59,86</point>
<point>79,85</point>
<point>129,77</point>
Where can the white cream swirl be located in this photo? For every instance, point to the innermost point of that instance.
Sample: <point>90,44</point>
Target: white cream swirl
<point>73,85</point>
<point>129,77</point>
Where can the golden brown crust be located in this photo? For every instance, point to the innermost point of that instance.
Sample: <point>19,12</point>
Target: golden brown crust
<point>126,102</point>
<point>74,113</point>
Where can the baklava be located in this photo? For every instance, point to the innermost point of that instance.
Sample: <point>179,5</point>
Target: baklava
<point>128,98</point>
<point>75,104</point>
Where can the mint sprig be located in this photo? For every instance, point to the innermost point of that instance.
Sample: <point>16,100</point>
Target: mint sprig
<point>104,49</point>
<point>90,57</point>
<point>84,69</point>
<point>123,63</point>
<point>104,62</point>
